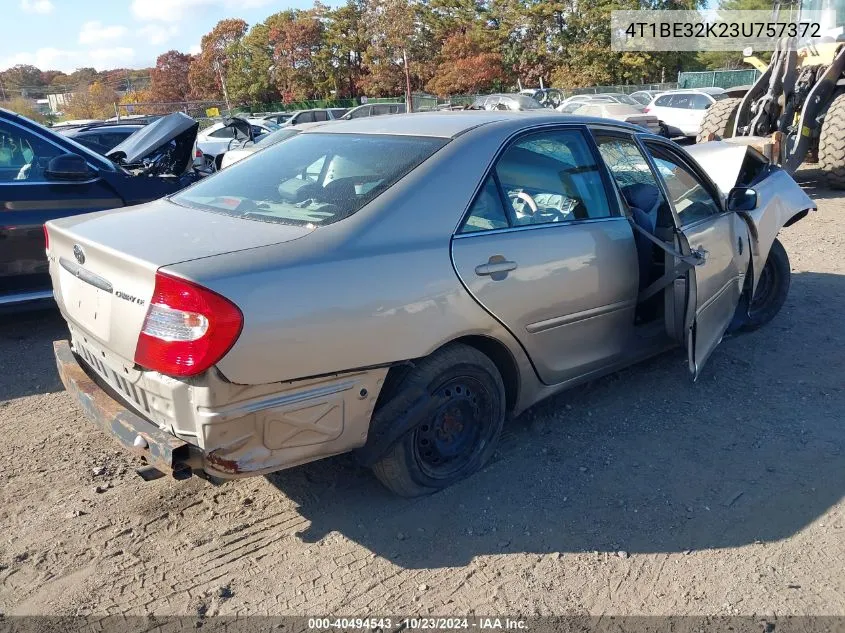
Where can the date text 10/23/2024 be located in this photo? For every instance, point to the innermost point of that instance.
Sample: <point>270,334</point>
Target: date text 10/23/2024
<point>417,623</point>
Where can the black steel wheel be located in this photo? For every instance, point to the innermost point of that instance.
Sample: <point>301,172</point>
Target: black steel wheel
<point>456,432</point>
<point>772,288</point>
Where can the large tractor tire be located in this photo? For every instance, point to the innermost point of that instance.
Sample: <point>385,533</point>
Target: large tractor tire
<point>832,144</point>
<point>718,119</point>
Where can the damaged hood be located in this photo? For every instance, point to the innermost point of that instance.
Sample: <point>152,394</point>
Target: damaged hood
<point>722,161</point>
<point>177,127</point>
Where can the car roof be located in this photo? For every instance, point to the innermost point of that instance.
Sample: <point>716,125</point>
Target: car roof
<point>450,124</point>
<point>685,91</point>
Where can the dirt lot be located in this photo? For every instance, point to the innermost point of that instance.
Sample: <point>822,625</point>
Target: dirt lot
<point>641,493</point>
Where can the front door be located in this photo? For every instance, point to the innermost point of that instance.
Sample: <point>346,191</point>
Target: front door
<point>718,239</point>
<point>545,252</point>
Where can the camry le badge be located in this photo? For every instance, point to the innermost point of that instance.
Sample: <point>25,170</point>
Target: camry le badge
<point>79,253</point>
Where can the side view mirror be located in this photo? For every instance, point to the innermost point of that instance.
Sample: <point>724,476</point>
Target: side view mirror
<point>69,167</point>
<point>742,199</point>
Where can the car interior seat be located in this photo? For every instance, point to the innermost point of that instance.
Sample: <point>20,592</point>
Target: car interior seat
<point>644,201</point>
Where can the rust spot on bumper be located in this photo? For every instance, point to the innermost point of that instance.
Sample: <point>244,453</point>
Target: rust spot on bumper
<point>228,466</point>
<point>164,451</point>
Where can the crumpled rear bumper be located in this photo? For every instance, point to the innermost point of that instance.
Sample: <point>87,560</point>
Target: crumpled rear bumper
<point>159,449</point>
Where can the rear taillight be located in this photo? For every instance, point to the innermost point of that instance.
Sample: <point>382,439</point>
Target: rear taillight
<point>46,239</point>
<point>188,328</point>
<point>647,109</point>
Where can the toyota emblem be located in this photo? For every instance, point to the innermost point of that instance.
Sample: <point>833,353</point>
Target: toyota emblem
<point>79,253</point>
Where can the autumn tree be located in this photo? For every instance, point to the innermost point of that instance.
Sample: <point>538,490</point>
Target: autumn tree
<point>468,65</point>
<point>130,100</point>
<point>212,63</point>
<point>391,27</point>
<point>169,78</point>
<point>296,37</point>
<point>23,80</point>
<point>25,107</point>
<point>94,102</point>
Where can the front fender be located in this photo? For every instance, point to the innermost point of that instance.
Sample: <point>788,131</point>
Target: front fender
<point>780,202</point>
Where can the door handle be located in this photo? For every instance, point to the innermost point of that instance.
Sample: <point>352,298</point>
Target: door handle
<point>497,266</point>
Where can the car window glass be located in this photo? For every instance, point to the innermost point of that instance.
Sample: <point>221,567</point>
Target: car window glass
<point>360,112</point>
<point>690,197</point>
<point>381,109</point>
<point>629,169</point>
<point>682,102</point>
<point>487,212</point>
<point>306,117</point>
<point>552,177</point>
<point>23,156</point>
<point>664,101</point>
<point>699,102</point>
<point>223,132</point>
<point>277,184</point>
<point>320,115</point>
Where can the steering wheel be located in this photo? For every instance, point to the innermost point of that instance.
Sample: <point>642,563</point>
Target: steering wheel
<point>526,198</point>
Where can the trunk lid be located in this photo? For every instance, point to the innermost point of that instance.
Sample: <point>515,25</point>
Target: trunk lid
<point>103,264</point>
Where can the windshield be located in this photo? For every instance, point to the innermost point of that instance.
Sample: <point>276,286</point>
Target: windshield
<point>315,179</point>
<point>527,103</point>
<point>719,96</point>
<point>278,136</point>
<point>626,99</point>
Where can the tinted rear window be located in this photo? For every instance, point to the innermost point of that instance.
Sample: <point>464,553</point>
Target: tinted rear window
<point>314,179</point>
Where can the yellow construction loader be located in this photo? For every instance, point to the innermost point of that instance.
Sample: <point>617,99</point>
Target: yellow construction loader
<point>795,111</point>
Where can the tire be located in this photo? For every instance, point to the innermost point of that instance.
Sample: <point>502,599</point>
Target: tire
<point>456,433</point>
<point>718,119</point>
<point>772,289</point>
<point>832,144</point>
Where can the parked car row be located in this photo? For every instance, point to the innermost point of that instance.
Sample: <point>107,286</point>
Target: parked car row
<point>678,112</point>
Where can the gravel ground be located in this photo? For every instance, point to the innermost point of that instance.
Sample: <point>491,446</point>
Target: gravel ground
<point>641,493</point>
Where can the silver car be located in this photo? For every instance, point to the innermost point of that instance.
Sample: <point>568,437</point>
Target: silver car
<point>397,286</point>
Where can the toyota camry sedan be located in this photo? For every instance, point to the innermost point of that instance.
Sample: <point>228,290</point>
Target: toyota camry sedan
<point>398,286</point>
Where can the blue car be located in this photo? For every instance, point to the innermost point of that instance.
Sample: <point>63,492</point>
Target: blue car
<point>44,176</point>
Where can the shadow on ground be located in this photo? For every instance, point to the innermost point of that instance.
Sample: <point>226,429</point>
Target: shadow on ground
<point>26,352</point>
<point>641,461</point>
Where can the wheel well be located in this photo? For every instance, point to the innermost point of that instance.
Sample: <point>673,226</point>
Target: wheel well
<point>490,347</point>
<point>504,361</point>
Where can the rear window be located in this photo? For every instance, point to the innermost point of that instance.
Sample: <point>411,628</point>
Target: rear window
<point>663,101</point>
<point>311,179</point>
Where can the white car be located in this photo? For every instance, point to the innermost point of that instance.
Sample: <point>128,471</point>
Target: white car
<point>222,136</point>
<point>682,111</point>
<point>250,147</point>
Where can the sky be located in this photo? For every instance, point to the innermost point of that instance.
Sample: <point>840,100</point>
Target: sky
<point>69,34</point>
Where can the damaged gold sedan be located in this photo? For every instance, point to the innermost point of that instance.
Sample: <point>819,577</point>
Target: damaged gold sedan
<point>397,286</point>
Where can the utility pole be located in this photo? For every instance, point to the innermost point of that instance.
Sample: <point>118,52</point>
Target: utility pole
<point>409,100</point>
<point>223,84</point>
